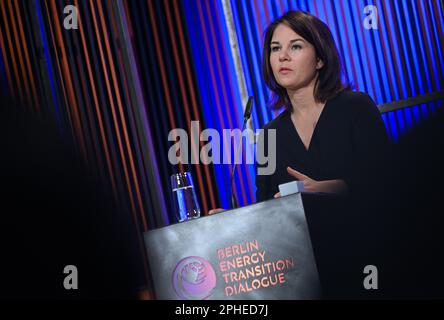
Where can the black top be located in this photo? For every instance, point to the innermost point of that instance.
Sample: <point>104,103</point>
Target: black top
<point>349,142</point>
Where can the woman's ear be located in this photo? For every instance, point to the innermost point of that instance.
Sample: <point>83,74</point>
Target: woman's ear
<point>319,63</point>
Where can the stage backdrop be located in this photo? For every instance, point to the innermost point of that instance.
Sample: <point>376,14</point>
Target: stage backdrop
<point>134,70</point>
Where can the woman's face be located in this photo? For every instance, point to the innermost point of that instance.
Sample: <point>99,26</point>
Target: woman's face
<point>292,58</point>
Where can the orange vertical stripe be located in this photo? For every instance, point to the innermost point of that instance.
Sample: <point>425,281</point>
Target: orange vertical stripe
<point>391,39</point>
<point>435,11</point>
<point>23,78</point>
<point>427,49</point>
<point>213,77</point>
<point>68,80</point>
<point>97,107</point>
<point>194,103</point>
<point>267,17</point>
<point>148,278</point>
<point>186,106</point>
<point>116,127</point>
<point>129,151</point>
<point>59,70</point>
<point>28,63</point>
<point>11,52</point>
<point>124,76</point>
<point>162,70</point>
<point>365,54</point>
<point>5,57</point>
<point>247,172</point>
<point>224,92</point>
<point>123,120</point>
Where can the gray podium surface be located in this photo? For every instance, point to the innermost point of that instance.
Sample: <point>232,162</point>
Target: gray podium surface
<point>261,251</point>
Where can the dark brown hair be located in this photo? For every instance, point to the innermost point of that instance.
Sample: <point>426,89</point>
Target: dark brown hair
<point>328,84</point>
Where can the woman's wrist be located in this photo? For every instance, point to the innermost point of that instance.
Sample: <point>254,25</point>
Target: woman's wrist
<point>337,186</point>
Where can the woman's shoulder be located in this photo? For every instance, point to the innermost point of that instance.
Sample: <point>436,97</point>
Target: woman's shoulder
<point>353,98</point>
<point>354,103</point>
<point>278,121</point>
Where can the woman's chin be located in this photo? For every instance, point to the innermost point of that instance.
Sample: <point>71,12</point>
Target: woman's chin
<point>287,84</point>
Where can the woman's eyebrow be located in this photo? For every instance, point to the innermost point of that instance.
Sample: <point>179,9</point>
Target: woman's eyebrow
<point>291,41</point>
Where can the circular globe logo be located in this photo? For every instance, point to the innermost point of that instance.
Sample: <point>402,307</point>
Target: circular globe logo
<point>194,279</point>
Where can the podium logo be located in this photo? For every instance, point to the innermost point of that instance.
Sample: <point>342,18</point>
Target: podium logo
<point>194,279</point>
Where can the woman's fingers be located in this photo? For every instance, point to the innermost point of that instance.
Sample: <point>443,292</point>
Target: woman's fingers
<point>277,195</point>
<point>296,174</point>
<point>214,211</point>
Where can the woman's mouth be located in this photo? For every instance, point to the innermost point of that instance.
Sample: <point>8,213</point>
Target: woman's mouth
<point>285,70</point>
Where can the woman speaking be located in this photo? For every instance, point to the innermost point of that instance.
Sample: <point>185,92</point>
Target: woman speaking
<point>328,137</point>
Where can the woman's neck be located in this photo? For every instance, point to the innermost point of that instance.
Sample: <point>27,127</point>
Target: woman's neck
<point>303,100</point>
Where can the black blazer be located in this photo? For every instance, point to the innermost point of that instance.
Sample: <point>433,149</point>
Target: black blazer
<point>349,142</point>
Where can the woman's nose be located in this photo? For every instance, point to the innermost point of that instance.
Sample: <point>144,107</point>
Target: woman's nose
<point>284,55</point>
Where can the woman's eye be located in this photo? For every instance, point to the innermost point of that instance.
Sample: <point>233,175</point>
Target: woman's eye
<point>295,46</point>
<point>274,49</point>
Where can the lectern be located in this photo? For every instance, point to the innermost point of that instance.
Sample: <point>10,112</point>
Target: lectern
<point>260,251</point>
